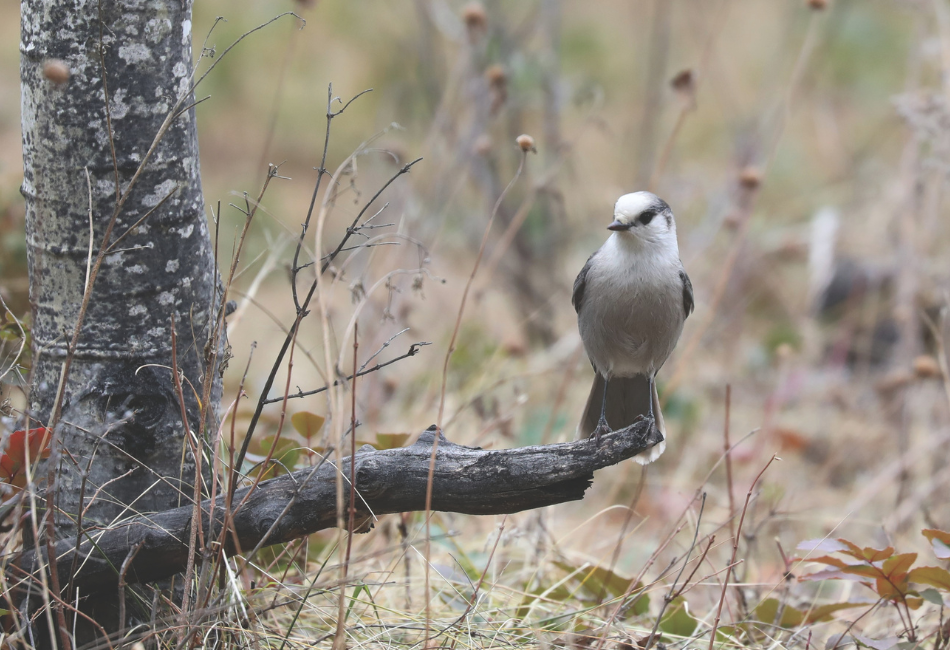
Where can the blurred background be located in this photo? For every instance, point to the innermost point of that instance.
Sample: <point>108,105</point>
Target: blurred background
<point>804,148</point>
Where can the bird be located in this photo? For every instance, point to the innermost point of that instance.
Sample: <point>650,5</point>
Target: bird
<point>632,298</point>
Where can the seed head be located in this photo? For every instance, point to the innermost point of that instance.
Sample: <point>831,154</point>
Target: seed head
<point>526,142</point>
<point>750,177</point>
<point>56,71</point>
<point>474,16</point>
<point>684,82</point>
<point>496,75</point>
<point>926,367</point>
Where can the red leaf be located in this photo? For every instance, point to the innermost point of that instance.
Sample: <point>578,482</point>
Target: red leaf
<point>933,533</point>
<point>791,439</point>
<point>853,549</point>
<point>828,559</point>
<point>897,566</point>
<point>831,575</point>
<point>864,570</point>
<point>876,555</point>
<point>940,541</point>
<point>889,589</point>
<point>36,441</point>
<point>931,575</point>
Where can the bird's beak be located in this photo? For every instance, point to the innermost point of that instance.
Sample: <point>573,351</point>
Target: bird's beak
<point>617,226</point>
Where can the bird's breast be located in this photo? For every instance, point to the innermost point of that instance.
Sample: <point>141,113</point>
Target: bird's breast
<point>632,315</point>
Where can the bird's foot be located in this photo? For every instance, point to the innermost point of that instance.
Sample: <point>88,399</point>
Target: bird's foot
<point>602,428</point>
<point>639,418</point>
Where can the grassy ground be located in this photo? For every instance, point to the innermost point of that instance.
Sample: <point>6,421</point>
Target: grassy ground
<point>788,112</point>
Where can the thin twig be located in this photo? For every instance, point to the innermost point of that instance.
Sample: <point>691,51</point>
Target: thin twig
<point>269,382</point>
<point>111,248</point>
<point>321,172</point>
<point>727,457</point>
<point>735,550</point>
<point>340,640</point>
<point>672,593</point>
<point>445,370</point>
<point>475,590</point>
<point>352,229</point>
<point>413,349</point>
<point>851,625</point>
<point>125,568</point>
<point>196,508</point>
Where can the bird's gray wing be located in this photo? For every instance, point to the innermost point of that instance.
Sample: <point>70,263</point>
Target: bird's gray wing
<point>687,293</point>
<point>580,284</point>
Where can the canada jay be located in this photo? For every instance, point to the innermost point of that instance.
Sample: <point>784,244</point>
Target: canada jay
<point>632,298</point>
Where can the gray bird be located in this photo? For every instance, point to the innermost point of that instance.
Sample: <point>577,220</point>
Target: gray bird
<point>631,298</point>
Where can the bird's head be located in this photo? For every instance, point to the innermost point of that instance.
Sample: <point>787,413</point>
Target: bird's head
<point>643,215</point>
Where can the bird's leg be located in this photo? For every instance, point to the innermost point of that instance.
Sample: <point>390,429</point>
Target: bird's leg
<point>602,426</point>
<point>650,379</point>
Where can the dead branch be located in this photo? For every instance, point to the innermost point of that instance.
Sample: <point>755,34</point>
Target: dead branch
<point>467,480</point>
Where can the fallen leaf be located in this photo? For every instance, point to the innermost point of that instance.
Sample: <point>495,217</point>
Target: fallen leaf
<point>35,441</point>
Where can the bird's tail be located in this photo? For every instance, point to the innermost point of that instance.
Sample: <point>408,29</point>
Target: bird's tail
<point>627,398</point>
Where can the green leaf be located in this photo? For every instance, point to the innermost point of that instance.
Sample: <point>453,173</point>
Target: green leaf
<point>932,596</point>
<point>543,594</point>
<point>391,440</point>
<point>793,617</point>
<point>353,599</point>
<point>677,620</point>
<point>307,424</point>
<point>767,611</point>
<point>732,634</point>
<point>285,452</point>
<point>598,579</point>
<point>822,613</point>
<point>913,602</point>
<point>641,603</point>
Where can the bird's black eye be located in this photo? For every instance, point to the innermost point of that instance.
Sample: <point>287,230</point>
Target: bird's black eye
<point>646,216</point>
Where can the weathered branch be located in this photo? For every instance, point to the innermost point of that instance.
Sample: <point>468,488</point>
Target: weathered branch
<point>466,480</point>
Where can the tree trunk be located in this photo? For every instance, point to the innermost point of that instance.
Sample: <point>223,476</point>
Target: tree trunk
<point>121,427</point>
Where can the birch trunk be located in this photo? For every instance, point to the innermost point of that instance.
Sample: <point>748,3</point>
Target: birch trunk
<point>123,448</point>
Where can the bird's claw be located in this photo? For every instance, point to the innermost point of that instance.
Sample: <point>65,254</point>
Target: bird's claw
<point>602,428</point>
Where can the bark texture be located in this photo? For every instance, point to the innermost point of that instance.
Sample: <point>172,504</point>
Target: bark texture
<point>121,416</point>
<point>467,480</point>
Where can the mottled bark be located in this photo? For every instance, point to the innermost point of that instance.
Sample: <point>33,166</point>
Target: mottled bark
<point>121,415</point>
<point>466,479</point>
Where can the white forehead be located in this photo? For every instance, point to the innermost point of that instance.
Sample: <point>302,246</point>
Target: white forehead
<point>631,205</point>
